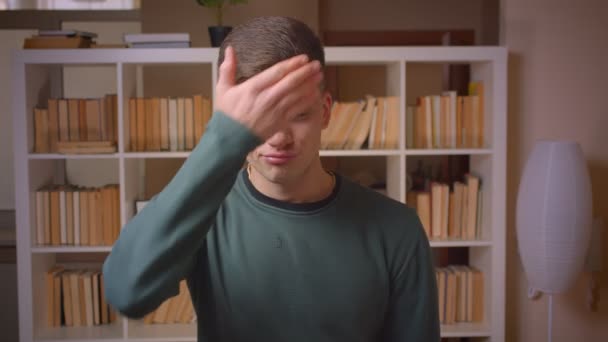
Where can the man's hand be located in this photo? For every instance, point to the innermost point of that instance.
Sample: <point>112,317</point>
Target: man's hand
<point>265,102</point>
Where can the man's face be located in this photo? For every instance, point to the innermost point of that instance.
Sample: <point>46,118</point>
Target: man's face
<point>289,153</point>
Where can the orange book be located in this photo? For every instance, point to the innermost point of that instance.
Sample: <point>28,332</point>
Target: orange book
<point>41,128</point>
<point>64,124</point>
<point>199,124</point>
<point>84,217</point>
<point>74,119</point>
<point>477,89</point>
<point>53,124</point>
<point>164,124</point>
<point>116,211</point>
<point>133,125</point>
<point>149,133</point>
<point>54,215</point>
<point>114,103</point>
<point>188,123</point>
<point>107,221</point>
<point>102,301</point>
<point>92,215</point>
<point>82,120</point>
<point>53,311</point>
<point>76,297</point>
<point>69,215</point>
<point>110,117</point>
<point>93,120</point>
<point>478,296</point>
<point>141,124</point>
<point>156,124</point>
<point>67,298</point>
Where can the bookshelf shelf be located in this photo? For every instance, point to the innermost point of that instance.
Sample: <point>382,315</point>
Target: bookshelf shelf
<point>35,71</point>
<point>46,156</point>
<point>95,333</point>
<point>359,153</point>
<point>441,152</point>
<point>460,243</point>
<point>142,155</point>
<point>162,332</point>
<point>70,249</point>
<point>465,330</point>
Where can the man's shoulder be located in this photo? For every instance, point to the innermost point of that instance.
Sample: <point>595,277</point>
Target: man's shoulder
<point>394,222</point>
<point>376,203</point>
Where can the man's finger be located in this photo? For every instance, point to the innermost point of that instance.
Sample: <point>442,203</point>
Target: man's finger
<point>301,99</point>
<point>227,70</point>
<point>293,81</point>
<point>276,72</point>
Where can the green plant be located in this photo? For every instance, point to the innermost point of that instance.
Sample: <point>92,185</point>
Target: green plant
<point>219,6</point>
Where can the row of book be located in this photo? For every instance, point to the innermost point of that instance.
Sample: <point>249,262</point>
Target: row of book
<point>167,124</point>
<point>450,212</point>
<point>177,309</point>
<point>75,120</point>
<point>372,123</point>
<point>447,120</point>
<point>76,298</point>
<point>77,216</point>
<point>460,294</point>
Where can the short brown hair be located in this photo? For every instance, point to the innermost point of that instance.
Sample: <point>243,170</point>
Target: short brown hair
<point>265,41</point>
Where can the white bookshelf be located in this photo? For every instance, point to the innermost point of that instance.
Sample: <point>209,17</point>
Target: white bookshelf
<point>34,71</point>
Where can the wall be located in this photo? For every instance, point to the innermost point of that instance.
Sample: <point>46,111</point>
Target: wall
<point>343,15</point>
<point>557,90</point>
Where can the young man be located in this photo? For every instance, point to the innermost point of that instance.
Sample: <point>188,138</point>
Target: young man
<point>282,250</point>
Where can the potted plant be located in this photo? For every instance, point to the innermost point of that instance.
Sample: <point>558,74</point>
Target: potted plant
<point>218,32</point>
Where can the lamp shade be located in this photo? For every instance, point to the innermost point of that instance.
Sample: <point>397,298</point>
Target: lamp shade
<point>554,215</point>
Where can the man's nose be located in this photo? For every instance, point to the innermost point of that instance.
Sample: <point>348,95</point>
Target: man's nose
<point>280,138</point>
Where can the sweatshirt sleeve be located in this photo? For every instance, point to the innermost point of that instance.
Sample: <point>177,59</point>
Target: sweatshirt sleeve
<point>157,247</point>
<point>413,308</point>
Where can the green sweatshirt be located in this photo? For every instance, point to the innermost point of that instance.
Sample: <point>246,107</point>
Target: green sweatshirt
<point>354,267</point>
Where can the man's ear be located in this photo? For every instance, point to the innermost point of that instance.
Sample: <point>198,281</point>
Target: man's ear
<point>327,104</point>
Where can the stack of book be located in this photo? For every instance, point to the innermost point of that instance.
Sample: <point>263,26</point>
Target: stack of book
<point>167,124</point>
<point>461,297</point>
<point>157,40</point>
<point>447,120</point>
<point>76,125</point>
<point>77,216</point>
<point>372,123</point>
<point>450,213</point>
<point>75,298</point>
<point>60,39</point>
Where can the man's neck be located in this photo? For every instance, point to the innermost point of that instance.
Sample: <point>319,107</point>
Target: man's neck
<point>314,185</point>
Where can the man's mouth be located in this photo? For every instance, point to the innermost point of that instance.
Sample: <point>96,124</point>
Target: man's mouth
<point>277,158</point>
